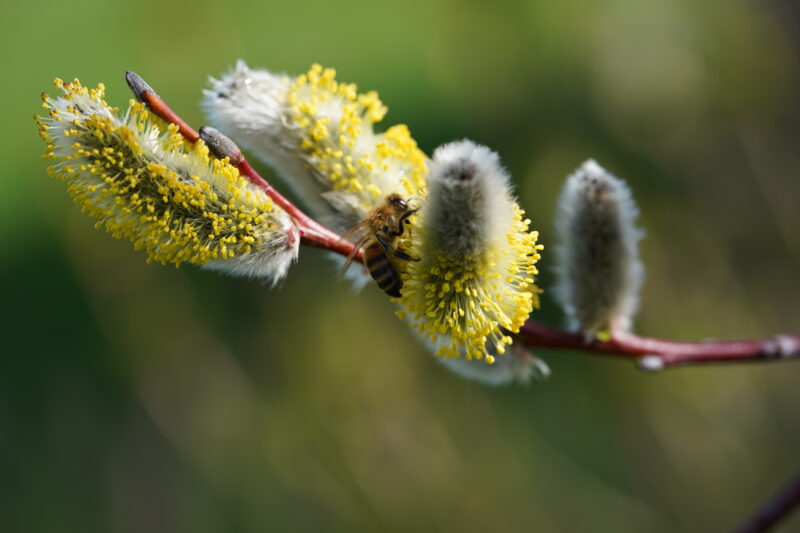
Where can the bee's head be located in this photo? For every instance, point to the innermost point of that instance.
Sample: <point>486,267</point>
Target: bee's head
<point>397,201</point>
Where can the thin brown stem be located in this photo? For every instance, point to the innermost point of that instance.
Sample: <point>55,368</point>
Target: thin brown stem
<point>774,510</point>
<point>655,354</point>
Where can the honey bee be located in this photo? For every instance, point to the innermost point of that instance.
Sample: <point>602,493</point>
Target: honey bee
<point>378,235</point>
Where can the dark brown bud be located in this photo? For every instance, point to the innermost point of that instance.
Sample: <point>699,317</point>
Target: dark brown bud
<point>138,86</point>
<point>220,145</point>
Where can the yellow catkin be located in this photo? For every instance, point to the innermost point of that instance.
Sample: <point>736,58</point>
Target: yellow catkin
<point>149,185</point>
<point>474,302</point>
<point>334,120</point>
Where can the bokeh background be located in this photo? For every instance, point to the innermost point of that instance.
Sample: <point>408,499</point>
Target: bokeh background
<point>136,397</point>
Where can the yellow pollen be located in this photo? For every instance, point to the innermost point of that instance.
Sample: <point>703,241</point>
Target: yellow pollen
<point>333,120</point>
<point>144,182</point>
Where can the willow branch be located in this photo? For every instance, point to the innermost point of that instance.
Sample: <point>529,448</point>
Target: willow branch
<point>774,510</point>
<point>656,354</point>
<point>651,354</point>
<point>312,233</point>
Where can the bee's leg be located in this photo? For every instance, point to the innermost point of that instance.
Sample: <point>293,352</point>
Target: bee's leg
<point>403,219</point>
<point>384,243</point>
<point>407,214</point>
<point>404,256</point>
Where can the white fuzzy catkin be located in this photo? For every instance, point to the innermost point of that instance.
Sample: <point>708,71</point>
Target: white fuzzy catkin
<point>472,197</point>
<point>318,134</point>
<point>249,105</point>
<point>598,270</point>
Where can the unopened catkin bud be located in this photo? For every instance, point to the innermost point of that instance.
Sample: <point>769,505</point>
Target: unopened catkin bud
<point>220,145</point>
<point>598,270</point>
<point>138,86</point>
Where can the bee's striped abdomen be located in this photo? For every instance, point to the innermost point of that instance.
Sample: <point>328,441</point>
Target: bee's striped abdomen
<point>381,269</point>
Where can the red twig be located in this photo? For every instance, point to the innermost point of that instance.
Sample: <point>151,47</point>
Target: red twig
<point>774,510</point>
<point>312,233</point>
<point>160,108</point>
<point>655,354</point>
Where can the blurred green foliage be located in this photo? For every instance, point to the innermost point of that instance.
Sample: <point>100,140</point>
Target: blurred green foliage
<point>136,397</point>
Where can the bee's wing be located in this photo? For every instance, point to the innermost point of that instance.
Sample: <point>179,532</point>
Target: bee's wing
<point>363,238</point>
<point>352,254</point>
<point>355,230</point>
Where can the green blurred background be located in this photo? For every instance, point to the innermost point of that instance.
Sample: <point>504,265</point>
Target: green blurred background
<point>137,397</point>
